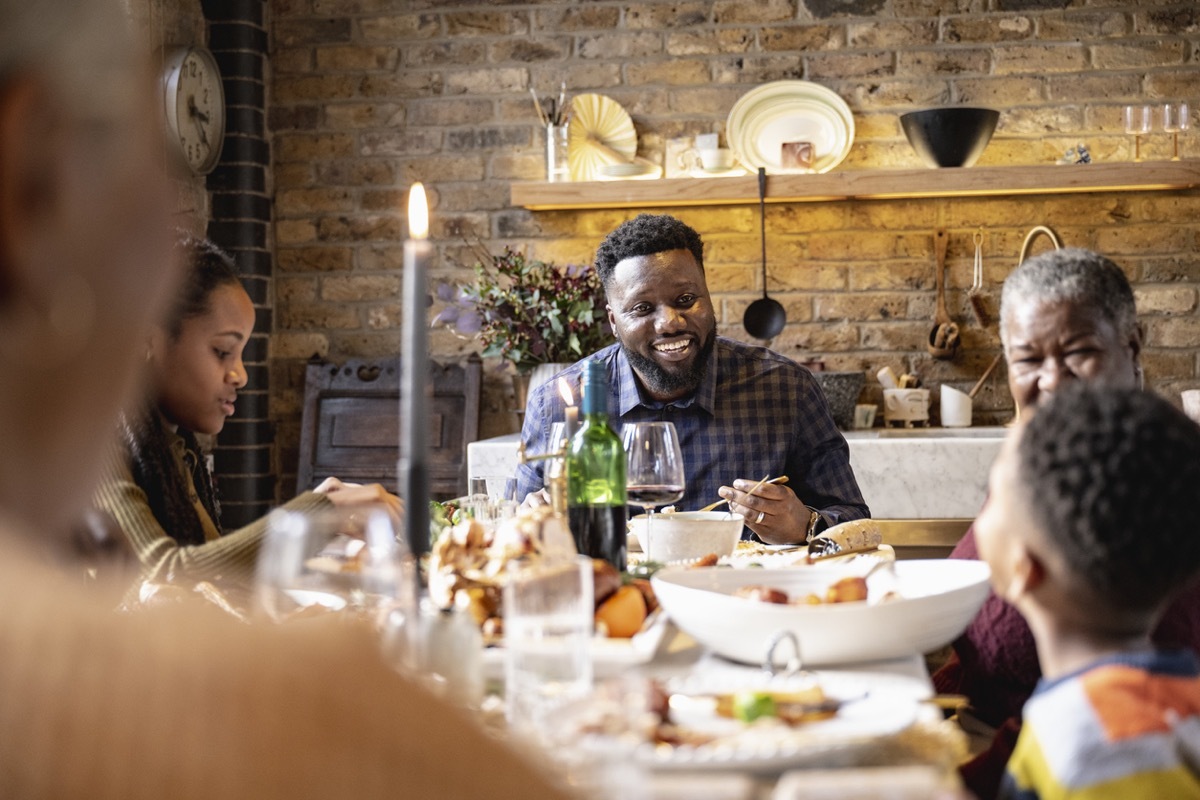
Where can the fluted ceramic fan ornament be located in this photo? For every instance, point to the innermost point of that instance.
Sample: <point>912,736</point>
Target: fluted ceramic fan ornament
<point>600,133</point>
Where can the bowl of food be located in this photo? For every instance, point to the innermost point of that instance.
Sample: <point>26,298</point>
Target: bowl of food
<point>687,535</point>
<point>738,613</point>
<point>949,137</point>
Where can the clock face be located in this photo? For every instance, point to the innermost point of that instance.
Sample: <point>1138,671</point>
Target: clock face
<point>194,92</point>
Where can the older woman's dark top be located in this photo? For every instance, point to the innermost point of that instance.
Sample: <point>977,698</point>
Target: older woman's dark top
<point>995,664</point>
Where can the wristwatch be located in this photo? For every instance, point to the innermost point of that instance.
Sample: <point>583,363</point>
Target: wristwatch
<point>814,519</point>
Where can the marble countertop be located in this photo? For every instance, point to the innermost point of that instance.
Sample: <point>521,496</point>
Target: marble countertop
<point>914,473</point>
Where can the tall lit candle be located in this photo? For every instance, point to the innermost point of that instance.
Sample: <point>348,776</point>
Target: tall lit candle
<point>413,469</point>
<point>571,412</point>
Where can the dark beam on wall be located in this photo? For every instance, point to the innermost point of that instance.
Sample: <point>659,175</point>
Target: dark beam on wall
<point>240,222</point>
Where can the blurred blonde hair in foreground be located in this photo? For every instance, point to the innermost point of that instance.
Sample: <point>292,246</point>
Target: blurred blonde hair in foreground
<point>84,245</point>
<point>177,703</point>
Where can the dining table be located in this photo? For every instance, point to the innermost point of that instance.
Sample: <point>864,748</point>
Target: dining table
<point>909,750</point>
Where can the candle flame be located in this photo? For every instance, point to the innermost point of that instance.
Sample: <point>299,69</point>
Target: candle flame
<point>564,389</point>
<point>418,212</point>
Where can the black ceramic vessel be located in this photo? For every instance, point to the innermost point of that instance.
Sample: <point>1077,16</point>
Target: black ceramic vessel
<point>949,137</point>
<point>841,390</point>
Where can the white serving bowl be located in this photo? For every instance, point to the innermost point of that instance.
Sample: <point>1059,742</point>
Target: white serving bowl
<point>685,535</point>
<point>938,598</point>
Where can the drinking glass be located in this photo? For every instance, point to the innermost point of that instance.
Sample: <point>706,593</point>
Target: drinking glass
<point>493,497</point>
<point>333,560</point>
<point>557,144</point>
<point>653,468</point>
<point>1176,118</point>
<point>1137,122</point>
<point>548,608</point>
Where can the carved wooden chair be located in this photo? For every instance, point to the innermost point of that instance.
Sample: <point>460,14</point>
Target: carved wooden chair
<point>351,427</point>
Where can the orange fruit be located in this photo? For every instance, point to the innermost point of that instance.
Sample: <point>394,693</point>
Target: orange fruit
<point>623,613</point>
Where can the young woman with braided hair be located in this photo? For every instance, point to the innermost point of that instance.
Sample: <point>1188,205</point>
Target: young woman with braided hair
<point>158,487</point>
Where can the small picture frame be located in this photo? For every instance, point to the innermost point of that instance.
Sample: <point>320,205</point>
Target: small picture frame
<point>796,155</point>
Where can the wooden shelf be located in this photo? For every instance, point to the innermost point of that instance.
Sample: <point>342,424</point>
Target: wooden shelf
<point>889,184</point>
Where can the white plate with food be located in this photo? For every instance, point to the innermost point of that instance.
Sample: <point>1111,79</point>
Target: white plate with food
<point>767,117</point>
<point>911,609</point>
<point>783,556</point>
<point>750,723</point>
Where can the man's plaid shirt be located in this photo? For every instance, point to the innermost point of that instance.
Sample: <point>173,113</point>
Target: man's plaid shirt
<point>755,413</point>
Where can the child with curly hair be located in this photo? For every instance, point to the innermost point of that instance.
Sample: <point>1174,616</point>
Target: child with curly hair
<point>1113,716</point>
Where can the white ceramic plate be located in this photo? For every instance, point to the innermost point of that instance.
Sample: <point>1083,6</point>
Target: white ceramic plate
<point>308,597</point>
<point>638,169</point>
<point>769,746</point>
<point>790,111</point>
<point>858,726</point>
<point>938,598</point>
<point>785,557</point>
<point>732,172</point>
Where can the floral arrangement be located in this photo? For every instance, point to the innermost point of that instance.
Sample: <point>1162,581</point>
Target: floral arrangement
<point>528,312</point>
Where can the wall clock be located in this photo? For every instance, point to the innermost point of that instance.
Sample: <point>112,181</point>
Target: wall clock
<point>194,101</point>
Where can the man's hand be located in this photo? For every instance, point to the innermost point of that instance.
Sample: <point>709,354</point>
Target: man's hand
<point>534,499</point>
<point>773,512</point>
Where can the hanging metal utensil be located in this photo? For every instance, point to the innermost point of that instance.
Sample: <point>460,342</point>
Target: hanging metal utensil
<point>975,293</point>
<point>764,318</point>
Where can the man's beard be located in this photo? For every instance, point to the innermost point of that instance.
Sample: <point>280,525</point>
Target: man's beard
<point>661,382</point>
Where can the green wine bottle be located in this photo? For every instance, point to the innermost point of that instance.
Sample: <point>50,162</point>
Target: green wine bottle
<point>596,476</point>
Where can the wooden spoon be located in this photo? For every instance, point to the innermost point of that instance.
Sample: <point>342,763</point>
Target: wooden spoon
<point>943,339</point>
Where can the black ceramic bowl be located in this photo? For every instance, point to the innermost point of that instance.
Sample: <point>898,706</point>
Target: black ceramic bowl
<point>949,137</point>
<point>841,390</point>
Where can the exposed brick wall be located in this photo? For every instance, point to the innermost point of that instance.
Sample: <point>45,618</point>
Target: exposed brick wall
<point>366,98</point>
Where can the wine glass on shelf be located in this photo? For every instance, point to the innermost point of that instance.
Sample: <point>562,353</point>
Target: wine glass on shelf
<point>1137,123</point>
<point>1176,118</point>
<point>653,468</point>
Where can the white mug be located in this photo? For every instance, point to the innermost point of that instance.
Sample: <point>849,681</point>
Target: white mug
<point>716,160</point>
<point>956,408</point>
<point>1191,403</point>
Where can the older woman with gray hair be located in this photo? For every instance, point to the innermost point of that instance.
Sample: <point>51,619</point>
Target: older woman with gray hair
<point>1065,315</point>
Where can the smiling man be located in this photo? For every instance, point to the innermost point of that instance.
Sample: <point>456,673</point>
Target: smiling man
<point>742,412</point>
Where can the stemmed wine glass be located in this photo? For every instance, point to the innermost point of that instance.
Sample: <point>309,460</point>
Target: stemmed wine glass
<point>1137,122</point>
<point>1176,118</point>
<point>653,468</point>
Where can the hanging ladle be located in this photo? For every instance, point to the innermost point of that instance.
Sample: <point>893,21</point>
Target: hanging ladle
<point>764,318</point>
<point>943,339</point>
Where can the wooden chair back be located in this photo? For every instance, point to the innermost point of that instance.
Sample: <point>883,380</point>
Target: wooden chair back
<point>350,426</point>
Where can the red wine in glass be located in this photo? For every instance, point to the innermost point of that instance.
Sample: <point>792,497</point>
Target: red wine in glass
<point>653,494</point>
<point>654,468</point>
